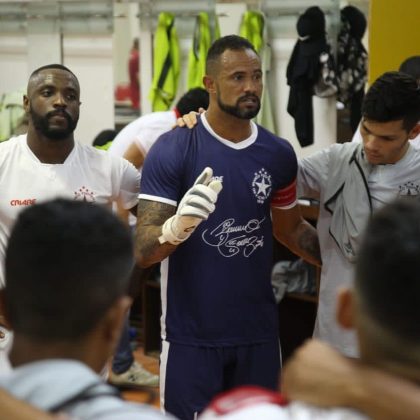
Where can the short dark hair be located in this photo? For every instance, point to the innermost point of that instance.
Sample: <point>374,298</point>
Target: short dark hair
<point>411,66</point>
<point>104,137</point>
<point>388,269</point>
<point>192,100</point>
<point>228,42</point>
<point>52,66</point>
<point>393,96</point>
<point>66,263</point>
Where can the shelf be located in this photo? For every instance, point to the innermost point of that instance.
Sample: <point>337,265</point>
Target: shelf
<point>302,296</point>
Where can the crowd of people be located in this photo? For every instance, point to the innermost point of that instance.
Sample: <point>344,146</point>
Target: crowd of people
<point>210,199</point>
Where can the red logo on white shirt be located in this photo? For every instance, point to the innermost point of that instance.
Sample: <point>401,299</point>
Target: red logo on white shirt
<point>24,202</point>
<point>83,194</point>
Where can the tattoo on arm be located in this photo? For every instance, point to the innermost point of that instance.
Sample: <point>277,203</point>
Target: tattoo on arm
<point>307,241</point>
<point>296,234</point>
<point>151,215</point>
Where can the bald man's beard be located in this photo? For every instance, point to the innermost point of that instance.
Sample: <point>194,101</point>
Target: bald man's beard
<point>236,110</point>
<point>42,125</point>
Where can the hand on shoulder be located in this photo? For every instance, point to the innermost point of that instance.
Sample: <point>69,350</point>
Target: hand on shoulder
<point>189,120</point>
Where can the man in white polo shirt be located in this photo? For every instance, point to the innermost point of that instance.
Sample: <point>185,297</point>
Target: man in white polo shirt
<point>47,163</point>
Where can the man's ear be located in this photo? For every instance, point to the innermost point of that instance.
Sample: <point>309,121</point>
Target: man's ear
<point>414,132</point>
<point>26,105</point>
<point>345,308</point>
<point>208,83</point>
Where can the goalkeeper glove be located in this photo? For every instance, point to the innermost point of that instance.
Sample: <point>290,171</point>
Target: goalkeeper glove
<point>196,206</point>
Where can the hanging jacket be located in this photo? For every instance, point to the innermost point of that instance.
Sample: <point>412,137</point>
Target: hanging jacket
<point>215,29</point>
<point>166,64</point>
<point>198,52</point>
<point>253,28</point>
<point>11,113</point>
<point>352,62</point>
<point>327,84</point>
<point>304,71</point>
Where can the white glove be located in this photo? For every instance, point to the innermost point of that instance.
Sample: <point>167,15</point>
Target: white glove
<point>195,206</point>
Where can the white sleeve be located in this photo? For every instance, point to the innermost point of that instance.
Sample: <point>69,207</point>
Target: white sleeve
<point>148,136</point>
<point>126,182</point>
<point>313,174</point>
<point>142,413</point>
<point>141,143</point>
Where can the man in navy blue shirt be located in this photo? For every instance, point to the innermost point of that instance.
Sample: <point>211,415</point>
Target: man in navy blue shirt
<point>219,317</point>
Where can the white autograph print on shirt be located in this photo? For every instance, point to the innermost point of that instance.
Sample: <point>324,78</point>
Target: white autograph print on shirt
<point>231,239</point>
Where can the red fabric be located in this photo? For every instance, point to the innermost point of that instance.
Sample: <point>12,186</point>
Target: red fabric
<point>177,113</point>
<point>284,197</point>
<point>133,71</point>
<point>244,396</point>
<point>122,93</point>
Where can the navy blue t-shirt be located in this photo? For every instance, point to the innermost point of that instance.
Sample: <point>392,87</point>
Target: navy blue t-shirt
<point>216,288</point>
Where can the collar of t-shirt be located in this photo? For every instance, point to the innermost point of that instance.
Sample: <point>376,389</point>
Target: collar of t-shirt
<point>240,145</point>
<point>32,155</point>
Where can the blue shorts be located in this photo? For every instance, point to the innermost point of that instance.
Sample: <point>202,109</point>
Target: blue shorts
<point>190,376</point>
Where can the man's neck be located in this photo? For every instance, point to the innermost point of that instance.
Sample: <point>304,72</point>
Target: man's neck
<point>383,350</point>
<point>227,126</point>
<point>49,150</point>
<point>404,150</point>
<point>26,350</point>
<point>408,371</point>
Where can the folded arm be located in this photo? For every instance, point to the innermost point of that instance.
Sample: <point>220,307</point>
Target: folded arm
<point>319,375</point>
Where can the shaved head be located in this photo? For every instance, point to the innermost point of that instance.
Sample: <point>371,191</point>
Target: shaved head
<point>230,42</point>
<point>37,72</point>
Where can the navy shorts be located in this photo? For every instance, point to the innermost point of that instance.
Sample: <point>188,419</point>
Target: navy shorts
<point>191,376</point>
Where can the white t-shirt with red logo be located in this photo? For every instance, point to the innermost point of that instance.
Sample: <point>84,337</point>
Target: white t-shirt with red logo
<point>87,174</point>
<point>251,403</point>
